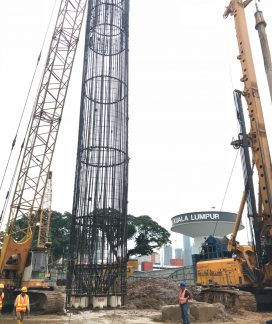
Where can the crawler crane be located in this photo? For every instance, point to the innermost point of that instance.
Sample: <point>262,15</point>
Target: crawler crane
<point>19,264</point>
<point>250,267</point>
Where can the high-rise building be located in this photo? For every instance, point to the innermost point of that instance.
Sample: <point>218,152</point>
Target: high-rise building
<point>144,258</point>
<point>167,254</point>
<point>198,226</point>
<point>155,258</point>
<point>187,251</point>
<point>179,253</point>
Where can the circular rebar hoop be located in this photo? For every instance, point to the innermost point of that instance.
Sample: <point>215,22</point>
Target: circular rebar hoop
<point>98,246</point>
<point>107,35</point>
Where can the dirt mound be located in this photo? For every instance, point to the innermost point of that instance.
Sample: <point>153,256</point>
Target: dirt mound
<point>157,292</point>
<point>152,293</point>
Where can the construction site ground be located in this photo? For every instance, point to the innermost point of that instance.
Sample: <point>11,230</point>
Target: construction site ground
<point>145,299</point>
<point>125,316</point>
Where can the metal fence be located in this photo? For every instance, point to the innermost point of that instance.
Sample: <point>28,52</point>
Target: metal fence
<point>184,273</point>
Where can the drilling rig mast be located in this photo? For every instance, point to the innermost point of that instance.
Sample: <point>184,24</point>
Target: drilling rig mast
<point>250,267</point>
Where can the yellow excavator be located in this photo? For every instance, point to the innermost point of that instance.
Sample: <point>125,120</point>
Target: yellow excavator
<point>248,268</point>
<point>20,263</point>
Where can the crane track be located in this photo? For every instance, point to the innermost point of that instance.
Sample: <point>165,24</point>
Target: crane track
<point>230,298</point>
<point>46,301</point>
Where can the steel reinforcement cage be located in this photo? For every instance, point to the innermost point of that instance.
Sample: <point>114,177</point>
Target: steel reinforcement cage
<point>98,246</point>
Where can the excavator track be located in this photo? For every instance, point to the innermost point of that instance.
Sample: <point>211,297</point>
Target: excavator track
<point>46,301</point>
<point>230,298</point>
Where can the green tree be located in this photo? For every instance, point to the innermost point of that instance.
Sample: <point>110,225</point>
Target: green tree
<point>60,234</point>
<point>147,234</point>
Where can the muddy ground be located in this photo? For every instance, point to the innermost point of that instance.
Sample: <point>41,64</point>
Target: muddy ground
<point>125,316</point>
<point>143,306</point>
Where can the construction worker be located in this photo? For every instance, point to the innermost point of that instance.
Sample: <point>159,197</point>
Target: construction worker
<point>184,296</point>
<point>2,295</point>
<point>21,305</point>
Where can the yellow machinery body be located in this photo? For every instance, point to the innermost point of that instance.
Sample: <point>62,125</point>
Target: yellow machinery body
<point>221,272</point>
<point>132,266</point>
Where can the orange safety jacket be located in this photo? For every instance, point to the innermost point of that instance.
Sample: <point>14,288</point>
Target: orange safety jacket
<point>1,300</point>
<point>21,303</point>
<point>182,298</point>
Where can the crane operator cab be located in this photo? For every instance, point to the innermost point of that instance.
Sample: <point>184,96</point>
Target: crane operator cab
<point>36,274</point>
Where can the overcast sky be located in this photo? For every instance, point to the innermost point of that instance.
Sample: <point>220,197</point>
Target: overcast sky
<point>183,69</point>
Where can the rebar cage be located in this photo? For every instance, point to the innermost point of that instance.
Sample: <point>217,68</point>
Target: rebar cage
<point>98,246</point>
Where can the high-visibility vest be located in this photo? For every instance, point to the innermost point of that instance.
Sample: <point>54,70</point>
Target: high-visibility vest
<point>21,303</point>
<point>1,300</point>
<point>182,299</point>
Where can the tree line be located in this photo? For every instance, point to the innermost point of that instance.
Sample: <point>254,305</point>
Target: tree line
<point>145,234</point>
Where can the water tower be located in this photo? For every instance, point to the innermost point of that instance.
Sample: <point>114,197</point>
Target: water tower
<point>199,225</point>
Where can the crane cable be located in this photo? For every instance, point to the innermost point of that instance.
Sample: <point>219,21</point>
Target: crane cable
<point>227,187</point>
<point>19,124</point>
<point>230,72</point>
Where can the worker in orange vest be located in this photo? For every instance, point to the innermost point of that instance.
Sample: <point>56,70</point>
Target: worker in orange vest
<point>21,305</point>
<point>184,296</point>
<point>2,295</point>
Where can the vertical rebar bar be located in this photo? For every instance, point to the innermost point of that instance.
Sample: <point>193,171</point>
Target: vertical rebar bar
<point>98,245</point>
